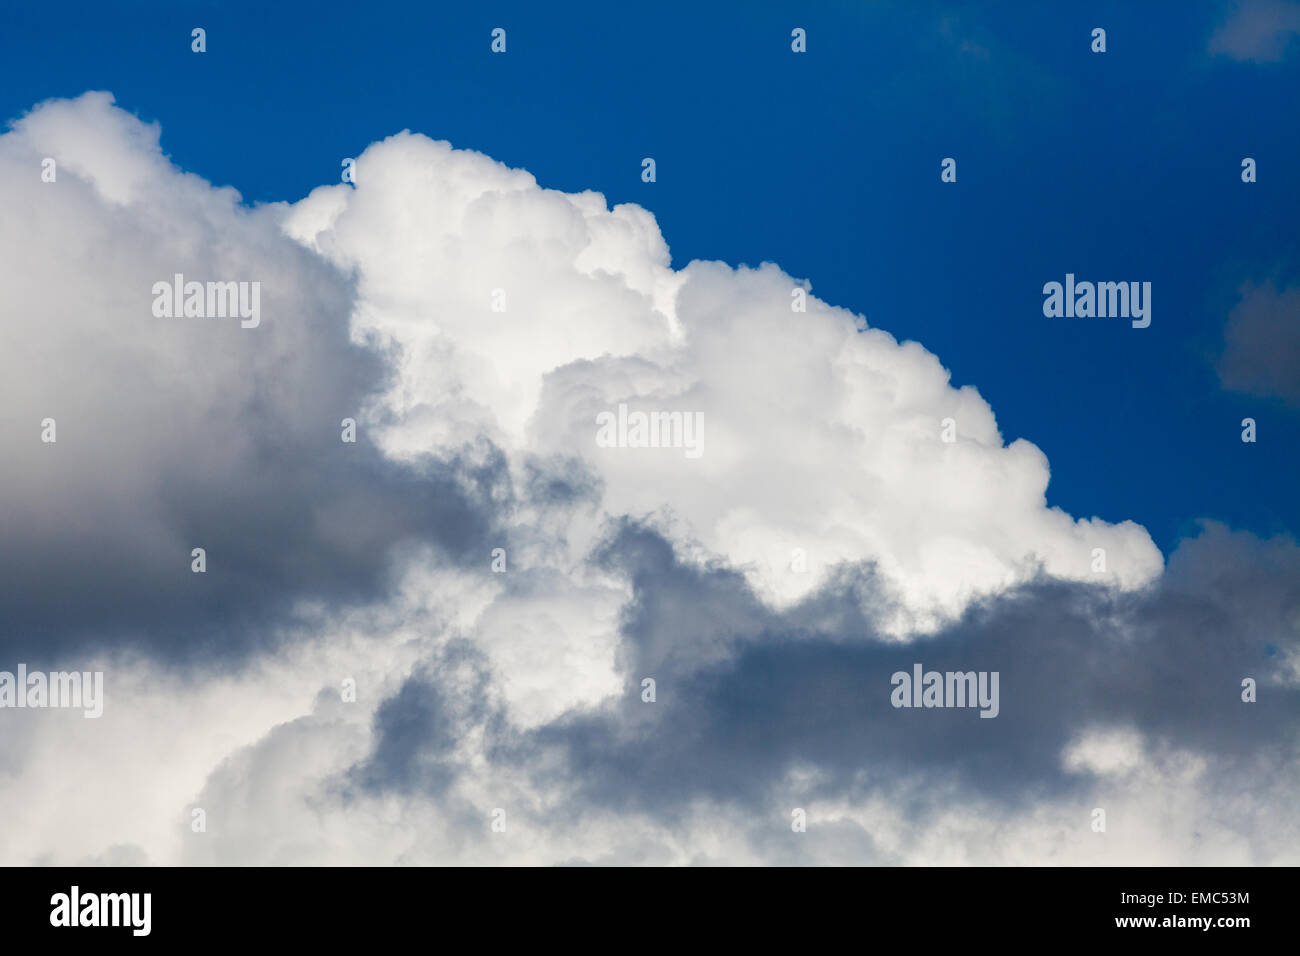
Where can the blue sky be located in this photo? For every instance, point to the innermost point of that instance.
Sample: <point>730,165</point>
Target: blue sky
<point>1116,166</point>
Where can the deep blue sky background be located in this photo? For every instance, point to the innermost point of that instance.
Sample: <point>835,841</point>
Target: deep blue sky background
<point>1122,166</point>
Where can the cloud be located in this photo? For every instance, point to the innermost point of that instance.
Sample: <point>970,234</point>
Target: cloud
<point>820,434</point>
<point>1128,702</point>
<point>180,433</point>
<point>808,686</point>
<point>1260,31</point>
<point>1261,354</point>
<point>476,325</point>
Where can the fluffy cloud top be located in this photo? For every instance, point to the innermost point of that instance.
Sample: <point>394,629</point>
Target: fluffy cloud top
<point>820,434</point>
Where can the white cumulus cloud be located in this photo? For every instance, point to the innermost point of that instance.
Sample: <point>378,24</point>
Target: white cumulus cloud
<point>820,434</point>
